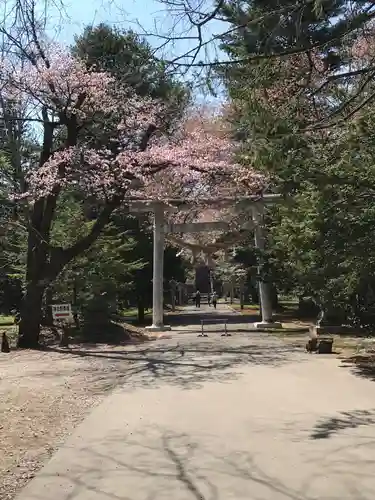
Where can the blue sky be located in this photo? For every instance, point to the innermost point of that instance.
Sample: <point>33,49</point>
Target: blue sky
<point>83,12</point>
<point>123,14</point>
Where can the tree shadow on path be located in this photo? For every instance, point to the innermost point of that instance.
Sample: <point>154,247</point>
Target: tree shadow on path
<point>165,464</point>
<point>184,319</point>
<point>361,365</point>
<point>187,365</point>
<point>328,427</point>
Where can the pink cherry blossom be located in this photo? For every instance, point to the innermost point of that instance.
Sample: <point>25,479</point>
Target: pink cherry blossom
<point>197,161</point>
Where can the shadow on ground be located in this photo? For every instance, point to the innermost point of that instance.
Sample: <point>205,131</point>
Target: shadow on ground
<point>211,316</point>
<point>188,365</point>
<point>328,427</point>
<point>163,464</point>
<point>92,335</point>
<point>361,366</point>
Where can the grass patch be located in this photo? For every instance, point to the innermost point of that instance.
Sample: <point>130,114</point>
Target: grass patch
<point>12,334</point>
<point>6,320</point>
<point>133,312</point>
<point>248,309</point>
<point>246,306</point>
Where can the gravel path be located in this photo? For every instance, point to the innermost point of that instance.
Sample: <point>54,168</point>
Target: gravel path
<point>246,417</point>
<point>43,396</point>
<point>218,418</point>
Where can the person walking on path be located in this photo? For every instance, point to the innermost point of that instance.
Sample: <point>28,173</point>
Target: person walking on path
<point>197,298</point>
<point>214,299</point>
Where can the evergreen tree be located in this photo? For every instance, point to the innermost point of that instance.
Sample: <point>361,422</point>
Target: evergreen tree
<point>319,239</point>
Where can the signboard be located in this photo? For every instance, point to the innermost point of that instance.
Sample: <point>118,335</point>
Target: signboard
<point>62,312</point>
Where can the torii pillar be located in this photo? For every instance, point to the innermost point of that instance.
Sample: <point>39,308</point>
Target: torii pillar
<point>158,209</point>
<point>158,271</point>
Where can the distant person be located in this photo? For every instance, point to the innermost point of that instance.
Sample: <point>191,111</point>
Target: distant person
<point>214,299</point>
<point>209,299</point>
<point>197,298</point>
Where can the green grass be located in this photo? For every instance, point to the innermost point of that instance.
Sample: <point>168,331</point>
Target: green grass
<point>6,320</point>
<point>133,312</point>
<point>247,308</point>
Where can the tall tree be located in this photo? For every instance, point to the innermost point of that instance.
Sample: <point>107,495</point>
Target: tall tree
<point>67,96</point>
<point>326,33</point>
<point>319,235</point>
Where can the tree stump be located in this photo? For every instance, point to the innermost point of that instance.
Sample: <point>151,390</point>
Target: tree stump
<point>5,343</point>
<point>317,344</point>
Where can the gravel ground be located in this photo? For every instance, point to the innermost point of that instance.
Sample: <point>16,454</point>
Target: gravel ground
<point>43,396</point>
<point>241,417</point>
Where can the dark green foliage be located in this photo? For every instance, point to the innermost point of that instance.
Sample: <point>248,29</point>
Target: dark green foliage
<point>321,238</point>
<point>268,28</point>
<point>317,39</point>
<point>96,280</point>
<point>131,60</point>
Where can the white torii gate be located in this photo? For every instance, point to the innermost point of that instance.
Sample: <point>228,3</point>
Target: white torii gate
<point>257,204</point>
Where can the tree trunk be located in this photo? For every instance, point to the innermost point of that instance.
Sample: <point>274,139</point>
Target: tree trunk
<point>4,343</point>
<point>274,298</point>
<point>75,303</point>
<point>32,302</point>
<point>44,265</point>
<point>254,295</point>
<point>141,310</point>
<point>242,296</point>
<point>31,316</point>
<point>48,318</point>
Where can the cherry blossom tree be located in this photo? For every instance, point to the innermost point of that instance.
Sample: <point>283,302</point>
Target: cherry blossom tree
<point>206,136</point>
<point>67,102</point>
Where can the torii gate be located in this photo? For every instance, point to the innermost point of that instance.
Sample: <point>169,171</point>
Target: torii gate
<point>257,203</point>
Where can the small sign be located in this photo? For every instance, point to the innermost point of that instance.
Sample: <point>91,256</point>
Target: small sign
<point>62,312</point>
